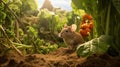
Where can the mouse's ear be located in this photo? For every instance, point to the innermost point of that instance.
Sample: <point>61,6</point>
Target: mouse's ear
<point>73,27</point>
<point>65,25</point>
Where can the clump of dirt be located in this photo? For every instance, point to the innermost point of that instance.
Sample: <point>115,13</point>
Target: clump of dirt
<point>62,57</point>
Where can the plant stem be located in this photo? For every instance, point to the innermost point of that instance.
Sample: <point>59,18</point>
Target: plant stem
<point>11,43</point>
<point>108,19</point>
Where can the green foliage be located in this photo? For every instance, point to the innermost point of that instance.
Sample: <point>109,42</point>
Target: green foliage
<point>14,5</point>
<point>33,44</point>
<point>2,16</point>
<point>51,19</point>
<point>32,31</point>
<point>50,24</point>
<point>21,32</point>
<point>116,4</point>
<point>49,47</point>
<point>28,7</point>
<point>26,38</point>
<point>10,33</point>
<point>40,47</point>
<point>6,17</point>
<point>109,19</point>
<point>96,46</point>
<point>106,14</point>
<point>75,17</point>
<point>88,5</point>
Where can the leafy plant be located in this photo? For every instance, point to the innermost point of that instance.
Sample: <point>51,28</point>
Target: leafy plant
<point>50,24</point>
<point>105,12</point>
<point>28,7</point>
<point>96,46</point>
<point>22,35</point>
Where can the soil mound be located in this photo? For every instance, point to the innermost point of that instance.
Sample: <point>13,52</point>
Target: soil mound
<point>62,57</point>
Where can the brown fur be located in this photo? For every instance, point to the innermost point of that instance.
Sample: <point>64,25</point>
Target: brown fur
<point>70,37</point>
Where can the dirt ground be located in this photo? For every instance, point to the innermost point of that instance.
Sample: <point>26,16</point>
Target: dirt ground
<point>58,58</point>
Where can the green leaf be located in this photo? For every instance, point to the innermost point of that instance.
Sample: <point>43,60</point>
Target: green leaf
<point>14,7</point>
<point>95,46</point>
<point>116,3</point>
<point>2,15</point>
<point>32,31</point>
<point>87,5</point>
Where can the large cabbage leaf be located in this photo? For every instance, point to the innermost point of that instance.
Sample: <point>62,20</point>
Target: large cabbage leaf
<point>95,46</point>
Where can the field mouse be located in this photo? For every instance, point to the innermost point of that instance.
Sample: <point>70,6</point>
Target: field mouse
<point>70,37</point>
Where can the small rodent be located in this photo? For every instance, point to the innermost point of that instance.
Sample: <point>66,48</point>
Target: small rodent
<point>70,37</point>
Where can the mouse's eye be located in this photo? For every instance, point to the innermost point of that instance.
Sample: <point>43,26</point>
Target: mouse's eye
<point>66,31</point>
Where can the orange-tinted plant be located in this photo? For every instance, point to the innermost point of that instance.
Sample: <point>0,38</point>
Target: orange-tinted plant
<point>86,25</point>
